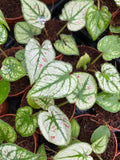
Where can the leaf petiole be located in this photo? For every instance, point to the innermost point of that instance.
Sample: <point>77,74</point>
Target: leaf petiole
<point>61,29</point>
<point>96,59</point>
<point>62,104</point>
<point>3,53</point>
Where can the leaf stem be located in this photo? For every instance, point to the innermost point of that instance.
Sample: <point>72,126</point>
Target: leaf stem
<point>61,29</point>
<point>98,5</point>
<point>96,59</point>
<point>99,157</point>
<point>91,70</point>
<point>3,53</point>
<point>62,104</point>
<point>35,114</point>
<point>46,33</point>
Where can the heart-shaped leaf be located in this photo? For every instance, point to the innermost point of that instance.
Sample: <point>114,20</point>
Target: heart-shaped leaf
<point>97,21</point>
<point>24,32</point>
<point>35,12</point>
<point>66,45</point>
<point>3,34</point>
<point>25,124</point>
<point>4,90</point>
<point>75,128</point>
<point>7,133</point>
<point>3,21</point>
<point>38,57</point>
<point>108,78</point>
<point>42,153</point>
<point>109,102</point>
<point>114,29</point>
<point>84,96</point>
<point>117,2</point>
<point>110,46</point>
<point>55,126</point>
<point>10,151</point>
<point>11,69</point>
<point>74,12</point>
<point>80,150</point>
<point>54,81</point>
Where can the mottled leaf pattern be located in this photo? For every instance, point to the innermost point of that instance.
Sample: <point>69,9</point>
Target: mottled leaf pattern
<point>42,153</point>
<point>55,126</point>
<point>24,32</point>
<point>74,12</point>
<point>77,151</point>
<point>54,81</point>
<point>10,151</point>
<point>35,12</point>
<point>11,69</point>
<point>20,54</point>
<point>114,29</point>
<point>97,21</point>
<point>3,21</point>
<point>117,2</point>
<point>84,96</point>
<point>3,34</point>
<point>25,124</point>
<point>66,45</point>
<point>108,78</point>
<point>110,46</point>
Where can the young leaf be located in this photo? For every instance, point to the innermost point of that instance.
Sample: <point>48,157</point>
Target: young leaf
<point>75,151</point>
<point>7,133</point>
<point>35,12</point>
<point>3,34</point>
<point>38,57</point>
<point>66,45</point>
<point>20,54</point>
<point>97,21</point>
<point>25,124</point>
<point>55,126</point>
<point>42,153</point>
<point>75,128</point>
<point>10,151</point>
<point>74,12</point>
<point>108,78</point>
<point>11,69</point>
<point>114,29</point>
<point>117,2</point>
<point>54,81</point>
<point>110,46</point>
<point>84,96</point>
<point>3,21</point>
<point>109,102</point>
<point>24,32</point>
<point>4,90</point>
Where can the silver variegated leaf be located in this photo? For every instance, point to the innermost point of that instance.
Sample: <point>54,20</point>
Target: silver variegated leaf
<point>3,34</point>
<point>84,96</point>
<point>55,126</point>
<point>37,57</point>
<point>3,21</point>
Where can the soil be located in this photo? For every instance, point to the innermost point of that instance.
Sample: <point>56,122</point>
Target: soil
<point>11,8</point>
<point>87,126</point>
<point>116,19</point>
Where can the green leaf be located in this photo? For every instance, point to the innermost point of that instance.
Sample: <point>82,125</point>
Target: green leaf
<point>20,54</point>
<point>54,81</point>
<point>114,29</point>
<point>109,102</point>
<point>3,21</point>
<point>66,45</point>
<point>42,153</point>
<point>35,12</point>
<point>37,57</point>
<point>11,69</point>
<point>4,90</point>
<point>84,96</point>
<point>97,21</point>
<point>110,46</point>
<point>3,34</point>
<point>10,151</point>
<point>24,32</point>
<point>108,78</point>
<point>25,124</point>
<point>74,12</point>
<point>55,126</point>
<point>75,151</point>
<point>75,128</point>
<point>7,133</point>
<point>117,2</point>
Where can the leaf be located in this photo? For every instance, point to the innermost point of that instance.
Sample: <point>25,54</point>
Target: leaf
<point>42,153</point>
<point>3,34</point>
<point>97,21</point>
<point>24,32</point>
<point>114,29</point>
<point>20,54</point>
<point>3,21</point>
<point>55,126</point>
<point>7,133</point>
<point>10,151</point>
<point>117,2</point>
<point>108,78</point>
<point>109,102</point>
<point>54,81</point>
<point>11,69</point>
<point>74,12</point>
<point>66,45</point>
<point>4,90</point>
<point>75,128</point>
<point>84,96</point>
<point>35,12</point>
<point>37,57</point>
<point>77,151</point>
<point>25,124</point>
<point>110,46</point>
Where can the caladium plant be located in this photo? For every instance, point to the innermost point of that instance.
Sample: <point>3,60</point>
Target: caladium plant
<point>117,2</point>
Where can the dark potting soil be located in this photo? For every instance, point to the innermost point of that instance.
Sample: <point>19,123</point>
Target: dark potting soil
<point>11,8</point>
<point>87,127</point>
<point>116,19</point>
<point>25,142</point>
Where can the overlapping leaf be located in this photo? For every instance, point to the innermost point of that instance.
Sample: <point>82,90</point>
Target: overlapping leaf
<point>35,12</point>
<point>3,34</point>
<point>20,54</point>
<point>42,153</point>
<point>55,126</point>
<point>3,21</point>
<point>114,29</point>
<point>84,96</point>
<point>117,2</point>
<point>75,128</point>
<point>74,12</point>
